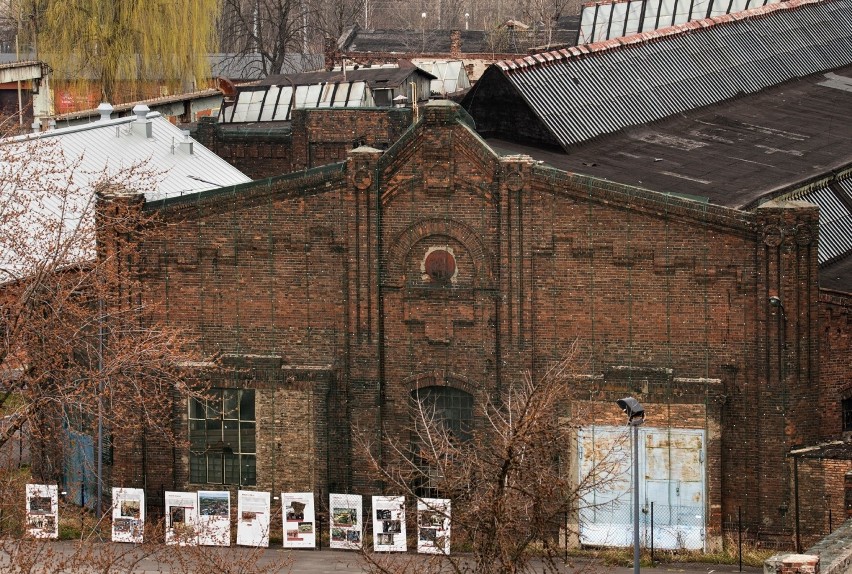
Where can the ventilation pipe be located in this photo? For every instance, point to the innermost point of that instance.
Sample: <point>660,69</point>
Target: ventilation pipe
<point>105,109</point>
<point>142,125</point>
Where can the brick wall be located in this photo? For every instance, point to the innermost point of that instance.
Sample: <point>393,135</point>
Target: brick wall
<point>326,271</point>
<point>313,138</point>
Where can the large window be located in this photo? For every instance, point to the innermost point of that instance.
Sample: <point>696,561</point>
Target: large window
<point>846,406</point>
<point>453,410</point>
<point>222,438</point>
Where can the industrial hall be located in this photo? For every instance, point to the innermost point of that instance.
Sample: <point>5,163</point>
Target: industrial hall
<point>675,203</point>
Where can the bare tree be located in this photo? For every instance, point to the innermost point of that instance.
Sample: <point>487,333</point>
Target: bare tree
<point>76,352</point>
<point>264,34</point>
<point>512,487</point>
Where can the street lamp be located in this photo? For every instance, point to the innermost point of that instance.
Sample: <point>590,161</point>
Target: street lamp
<point>635,417</point>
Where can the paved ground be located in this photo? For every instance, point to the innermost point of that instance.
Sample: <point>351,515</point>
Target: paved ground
<point>126,558</point>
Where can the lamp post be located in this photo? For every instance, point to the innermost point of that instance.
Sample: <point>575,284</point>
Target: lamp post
<point>635,417</point>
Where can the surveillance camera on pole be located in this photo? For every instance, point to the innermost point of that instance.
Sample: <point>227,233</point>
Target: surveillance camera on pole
<point>635,417</point>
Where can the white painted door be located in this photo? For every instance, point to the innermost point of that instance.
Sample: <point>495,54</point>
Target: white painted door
<point>671,466</point>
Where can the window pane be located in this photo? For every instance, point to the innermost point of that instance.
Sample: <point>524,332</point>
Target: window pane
<point>214,468</point>
<point>247,442</point>
<point>197,435</point>
<point>197,468</point>
<point>231,435</point>
<point>196,409</point>
<point>214,406</point>
<point>247,405</point>
<point>249,470</point>
<point>232,468</point>
<point>231,403</point>
<point>214,429</point>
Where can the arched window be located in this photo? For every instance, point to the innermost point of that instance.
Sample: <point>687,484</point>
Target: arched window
<point>448,409</point>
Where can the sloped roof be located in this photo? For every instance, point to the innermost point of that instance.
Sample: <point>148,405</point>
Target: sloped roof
<point>68,163</point>
<point>733,153</point>
<point>114,145</point>
<point>608,19</point>
<point>375,77</point>
<point>250,67</point>
<point>581,93</point>
<point>439,41</point>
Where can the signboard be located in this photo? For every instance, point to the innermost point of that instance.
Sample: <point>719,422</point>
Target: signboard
<point>345,512</point>
<point>299,520</point>
<point>181,518</point>
<point>128,515</point>
<point>252,518</point>
<point>433,526</point>
<point>42,510</point>
<point>214,517</point>
<point>389,524</point>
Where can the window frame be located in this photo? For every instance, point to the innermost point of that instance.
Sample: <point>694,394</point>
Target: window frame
<point>226,424</point>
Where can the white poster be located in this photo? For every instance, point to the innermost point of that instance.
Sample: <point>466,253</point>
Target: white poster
<point>214,517</point>
<point>128,514</point>
<point>389,524</point>
<point>299,520</point>
<point>252,518</point>
<point>345,523</point>
<point>433,526</point>
<point>181,518</point>
<point>42,510</point>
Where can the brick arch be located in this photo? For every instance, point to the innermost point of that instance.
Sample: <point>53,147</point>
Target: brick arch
<point>402,244</point>
<point>439,378</point>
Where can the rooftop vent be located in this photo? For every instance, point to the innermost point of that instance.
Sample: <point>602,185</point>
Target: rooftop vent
<point>142,125</point>
<point>105,109</point>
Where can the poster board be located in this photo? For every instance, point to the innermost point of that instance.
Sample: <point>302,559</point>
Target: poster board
<point>253,518</point>
<point>214,517</point>
<point>42,510</point>
<point>389,524</point>
<point>345,515</point>
<point>433,526</point>
<point>181,518</point>
<point>300,525</point>
<point>128,515</point>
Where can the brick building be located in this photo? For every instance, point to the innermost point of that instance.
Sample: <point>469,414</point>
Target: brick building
<point>321,295</point>
<point>456,264</point>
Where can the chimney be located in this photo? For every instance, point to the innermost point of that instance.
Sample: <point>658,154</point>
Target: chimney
<point>330,53</point>
<point>187,142</point>
<point>142,125</point>
<point>105,110</point>
<point>455,43</point>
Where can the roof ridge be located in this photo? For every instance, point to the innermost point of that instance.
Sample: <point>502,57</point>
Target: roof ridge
<point>646,37</point>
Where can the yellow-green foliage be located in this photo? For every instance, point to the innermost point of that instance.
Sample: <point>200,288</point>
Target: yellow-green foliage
<point>109,41</point>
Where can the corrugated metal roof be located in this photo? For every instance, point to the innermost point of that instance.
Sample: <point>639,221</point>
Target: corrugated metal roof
<point>600,88</point>
<point>607,19</point>
<point>114,145</point>
<point>78,157</point>
<point>835,220</point>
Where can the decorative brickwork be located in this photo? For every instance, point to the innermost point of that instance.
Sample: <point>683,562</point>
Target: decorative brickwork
<point>324,274</point>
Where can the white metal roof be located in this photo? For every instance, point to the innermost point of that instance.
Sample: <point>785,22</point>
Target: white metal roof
<point>48,180</point>
<point>117,144</point>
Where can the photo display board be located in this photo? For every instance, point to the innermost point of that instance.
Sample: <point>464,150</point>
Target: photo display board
<point>299,520</point>
<point>389,524</point>
<point>42,510</point>
<point>214,517</point>
<point>253,518</point>
<point>345,512</point>
<point>181,518</point>
<point>128,515</point>
<point>433,526</point>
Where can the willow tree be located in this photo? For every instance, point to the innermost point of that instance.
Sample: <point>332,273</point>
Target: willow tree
<point>121,43</point>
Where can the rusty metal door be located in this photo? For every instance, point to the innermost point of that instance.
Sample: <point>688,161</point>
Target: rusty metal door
<point>674,481</point>
<point>672,476</point>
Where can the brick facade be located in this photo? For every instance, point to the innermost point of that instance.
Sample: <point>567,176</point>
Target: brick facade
<point>314,137</point>
<point>322,275</point>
